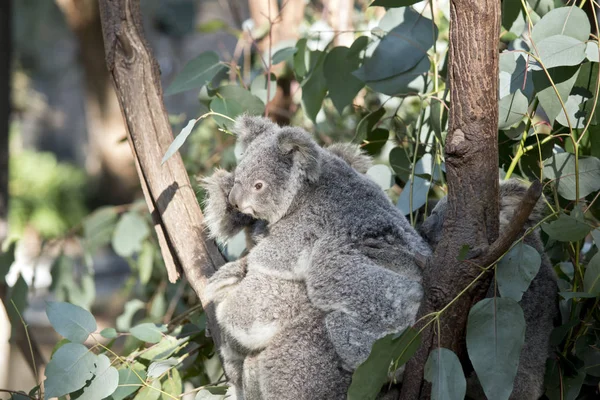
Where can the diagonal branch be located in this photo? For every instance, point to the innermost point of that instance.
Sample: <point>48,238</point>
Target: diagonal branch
<point>177,217</point>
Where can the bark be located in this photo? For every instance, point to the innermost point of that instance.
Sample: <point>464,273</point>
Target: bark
<point>472,173</point>
<point>109,158</point>
<point>167,189</point>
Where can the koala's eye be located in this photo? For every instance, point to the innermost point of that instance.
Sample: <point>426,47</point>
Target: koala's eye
<point>258,185</point>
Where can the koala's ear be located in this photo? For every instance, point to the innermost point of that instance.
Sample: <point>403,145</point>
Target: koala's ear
<point>247,128</point>
<point>304,150</point>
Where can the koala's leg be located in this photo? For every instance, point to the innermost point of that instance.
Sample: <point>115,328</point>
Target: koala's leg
<point>251,378</point>
<point>221,218</point>
<point>301,364</point>
<point>225,280</point>
<point>233,363</point>
<point>340,278</point>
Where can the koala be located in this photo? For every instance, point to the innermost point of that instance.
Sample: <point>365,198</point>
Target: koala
<point>332,270</point>
<point>539,302</point>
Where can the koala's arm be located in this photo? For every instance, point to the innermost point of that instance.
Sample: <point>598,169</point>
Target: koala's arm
<point>221,218</point>
<point>361,298</point>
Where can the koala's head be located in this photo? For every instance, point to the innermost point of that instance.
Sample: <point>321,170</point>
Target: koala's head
<point>275,165</point>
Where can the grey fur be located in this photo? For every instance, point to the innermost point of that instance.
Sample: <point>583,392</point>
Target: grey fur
<point>539,302</point>
<point>334,273</point>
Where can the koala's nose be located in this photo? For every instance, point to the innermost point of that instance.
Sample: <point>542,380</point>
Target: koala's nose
<point>233,197</point>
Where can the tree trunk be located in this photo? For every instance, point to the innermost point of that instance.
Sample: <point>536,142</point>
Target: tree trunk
<point>167,189</point>
<point>472,173</point>
<point>109,159</point>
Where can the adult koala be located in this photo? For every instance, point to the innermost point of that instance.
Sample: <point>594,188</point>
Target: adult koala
<point>333,268</point>
<point>539,302</point>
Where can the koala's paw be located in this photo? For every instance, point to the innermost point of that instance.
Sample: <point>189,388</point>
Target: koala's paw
<point>222,220</point>
<point>224,280</point>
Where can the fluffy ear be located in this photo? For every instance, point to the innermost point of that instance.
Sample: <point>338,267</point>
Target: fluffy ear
<point>353,155</point>
<point>247,128</point>
<point>305,151</point>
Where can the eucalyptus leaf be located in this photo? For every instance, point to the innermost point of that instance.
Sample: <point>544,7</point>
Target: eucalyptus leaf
<point>574,117</point>
<point>373,373</point>
<point>591,279</point>
<point>417,188</point>
<point>514,74</point>
<point>109,333</point>
<point>261,89</point>
<point>400,163</point>
<point>145,262</point>
<point>233,101</point>
<point>343,86</point>
<point>563,78</point>
<point>158,368</point>
<point>172,385</point>
<point>204,394</point>
<point>163,349</point>
<point>98,228</point>
<point>129,376</point>
<point>367,124</point>
<point>286,54</point>
<point>444,371</point>
<point>561,168</point>
<point>314,87</point>
<point>576,295</point>
<point>375,141</point>
<point>71,321</point>
<point>569,21</point>
<point>560,50</point>
<point>567,228</point>
<point>123,321</point>
<point>105,382</point>
<point>196,73</point>
<point>410,81</point>
<point>393,3</point>
<point>179,140</point>
<point>150,392</point>
<point>401,49</point>
<point>516,270</point>
<point>495,336</point>
<point>69,369</point>
<point>512,109</point>
<point>130,233</point>
<point>382,175</point>
<point>148,332</point>
<point>591,51</point>
<point>16,303</point>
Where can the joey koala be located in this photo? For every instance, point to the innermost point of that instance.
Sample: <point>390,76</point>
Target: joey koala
<point>539,302</point>
<point>333,267</point>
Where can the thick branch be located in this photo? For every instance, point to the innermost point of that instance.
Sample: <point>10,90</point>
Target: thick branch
<point>167,189</point>
<point>472,172</point>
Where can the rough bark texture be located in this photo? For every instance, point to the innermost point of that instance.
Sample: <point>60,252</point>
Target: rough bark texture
<point>169,195</point>
<point>108,158</point>
<point>472,173</point>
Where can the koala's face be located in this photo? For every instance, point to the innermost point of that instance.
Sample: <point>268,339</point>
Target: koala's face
<point>261,183</point>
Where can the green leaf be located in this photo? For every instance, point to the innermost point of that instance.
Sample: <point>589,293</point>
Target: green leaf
<point>418,189</point>
<point>561,167</point>
<point>286,54</point>
<point>514,74</point>
<point>196,73</point>
<point>576,295</point>
<point>591,279</point>
<point>179,140</point>
<point>571,386</point>
<point>131,307</point>
<point>259,86</point>
<point>158,368</point>
<point>212,26</point>
<point>446,375</point>
<point>233,101</point>
<point>542,7</point>
<point>128,378</point>
<point>300,60</point>
<point>172,385</point>
<point>145,262</point>
<point>130,233</point>
<point>400,163</point>
<point>591,51</point>
<point>596,237</point>
<point>567,228</point>
<point>513,19</point>
<point>71,321</point>
<point>98,228</point>
<point>516,270</point>
<point>314,87</point>
<point>148,332</point>
<point>512,109</point>
<point>402,48</point>
<point>205,394</point>
<point>373,373</point>
<point>564,78</point>
<point>410,81</point>
<point>382,175</point>
<point>105,382</point>
<point>358,46</point>
<point>151,392</point>
<point>586,83</point>
<point>109,333</point>
<point>343,86</point>
<point>367,124</point>
<point>375,141</point>
<point>560,50</point>
<point>568,21</point>
<point>163,349</point>
<point>69,369</point>
<point>393,3</point>
<point>7,257</point>
<point>575,118</point>
<point>495,336</point>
